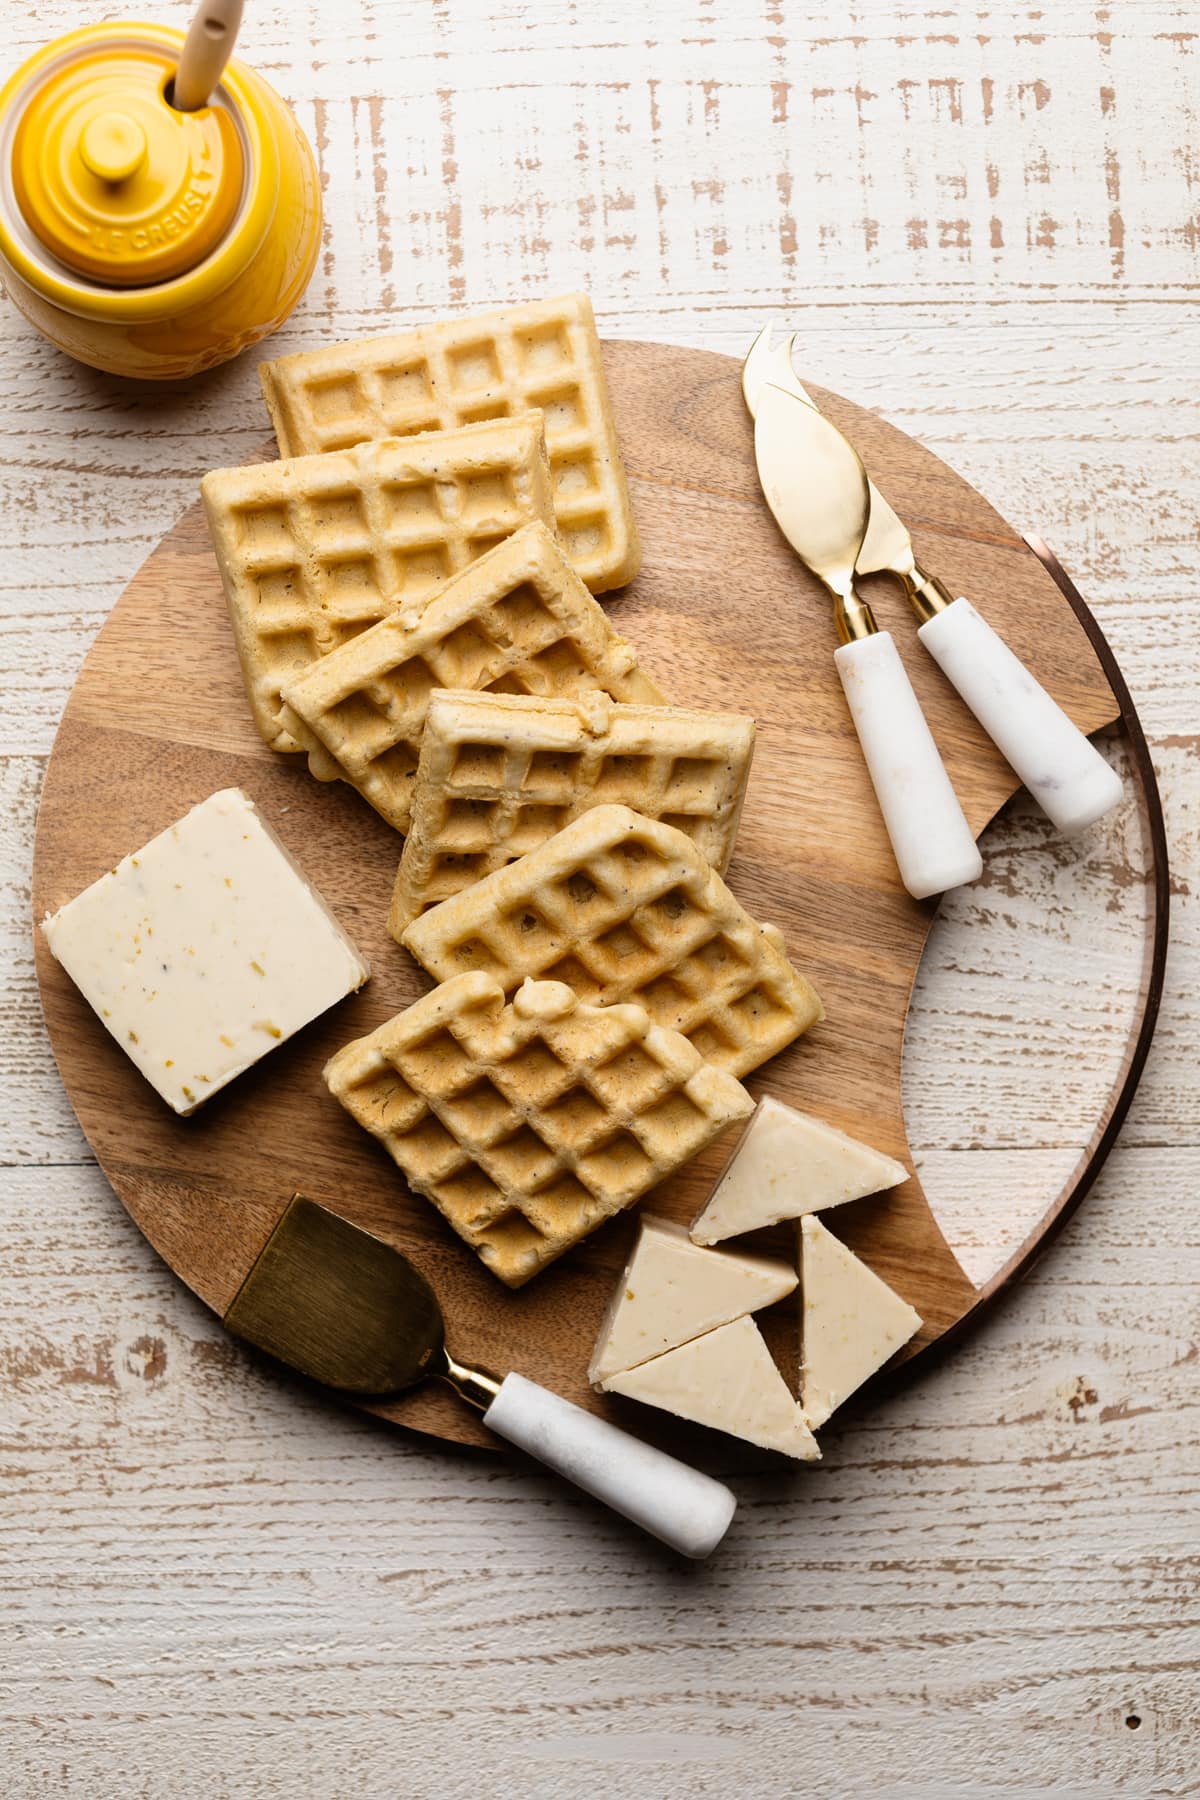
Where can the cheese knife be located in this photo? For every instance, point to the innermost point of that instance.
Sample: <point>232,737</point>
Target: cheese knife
<point>1063,771</point>
<point>824,516</point>
<point>347,1310</point>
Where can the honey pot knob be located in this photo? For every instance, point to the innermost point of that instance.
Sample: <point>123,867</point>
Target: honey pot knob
<point>112,146</point>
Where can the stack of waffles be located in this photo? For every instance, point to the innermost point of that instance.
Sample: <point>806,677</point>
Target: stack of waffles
<point>413,596</point>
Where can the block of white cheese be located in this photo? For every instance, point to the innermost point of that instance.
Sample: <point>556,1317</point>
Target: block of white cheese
<point>787,1163</point>
<point>726,1379</point>
<point>671,1290</point>
<point>851,1321</point>
<point>204,950</point>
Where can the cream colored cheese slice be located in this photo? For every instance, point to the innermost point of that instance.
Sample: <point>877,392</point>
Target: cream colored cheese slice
<point>204,950</point>
<point>726,1379</point>
<point>671,1290</point>
<point>787,1163</point>
<point>851,1321</point>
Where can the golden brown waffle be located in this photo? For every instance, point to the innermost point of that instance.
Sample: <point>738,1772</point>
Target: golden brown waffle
<point>501,773</point>
<point>529,1125</point>
<point>518,619</point>
<point>314,550</point>
<point>544,354</point>
<point>626,908</point>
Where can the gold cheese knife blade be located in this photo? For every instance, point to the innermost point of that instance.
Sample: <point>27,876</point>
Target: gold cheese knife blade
<point>348,1310</point>
<point>824,516</point>
<point>887,546</point>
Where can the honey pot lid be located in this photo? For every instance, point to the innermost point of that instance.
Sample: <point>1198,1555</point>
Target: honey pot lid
<point>114,181</point>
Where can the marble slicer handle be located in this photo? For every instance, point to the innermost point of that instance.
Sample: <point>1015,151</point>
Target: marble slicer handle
<point>930,836</point>
<point>686,1509</point>
<point>1066,774</point>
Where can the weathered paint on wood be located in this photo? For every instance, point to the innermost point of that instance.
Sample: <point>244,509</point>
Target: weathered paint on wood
<point>985,225</point>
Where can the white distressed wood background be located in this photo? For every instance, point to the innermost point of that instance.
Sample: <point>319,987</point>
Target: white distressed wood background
<point>985,221</point>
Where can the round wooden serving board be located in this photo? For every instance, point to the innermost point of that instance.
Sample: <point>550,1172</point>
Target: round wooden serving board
<point>725,617</point>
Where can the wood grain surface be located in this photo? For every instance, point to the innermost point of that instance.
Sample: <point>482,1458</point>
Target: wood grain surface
<point>984,224</point>
<point>722,615</point>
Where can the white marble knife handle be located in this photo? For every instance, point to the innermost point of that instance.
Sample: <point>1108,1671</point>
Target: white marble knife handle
<point>931,838</point>
<point>1065,773</point>
<point>686,1509</point>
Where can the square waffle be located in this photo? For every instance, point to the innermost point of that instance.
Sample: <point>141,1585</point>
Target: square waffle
<point>626,908</point>
<point>501,773</point>
<point>528,1125</point>
<point>543,354</point>
<point>315,549</point>
<point>519,618</point>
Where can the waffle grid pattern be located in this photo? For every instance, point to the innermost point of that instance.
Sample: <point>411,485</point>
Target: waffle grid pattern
<point>543,355</point>
<point>499,774</point>
<point>624,908</point>
<point>315,550</point>
<point>528,1125</point>
<point>519,618</point>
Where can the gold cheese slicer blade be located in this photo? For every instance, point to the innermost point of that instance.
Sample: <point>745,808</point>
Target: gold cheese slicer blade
<point>1063,771</point>
<point>816,487</point>
<point>349,1311</point>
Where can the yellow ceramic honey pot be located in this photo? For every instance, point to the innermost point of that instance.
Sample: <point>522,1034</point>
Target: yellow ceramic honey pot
<point>139,237</point>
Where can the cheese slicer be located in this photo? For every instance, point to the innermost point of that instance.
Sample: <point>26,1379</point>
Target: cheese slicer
<point>823,515</point>
<point>1065,773</point>
<point>349,1311</point>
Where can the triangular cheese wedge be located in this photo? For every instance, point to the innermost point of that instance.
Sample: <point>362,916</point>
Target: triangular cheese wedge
<point>726,1379</point>
<point>785,1164</point>
<point>671,1291</point>
<point>851,1321</point>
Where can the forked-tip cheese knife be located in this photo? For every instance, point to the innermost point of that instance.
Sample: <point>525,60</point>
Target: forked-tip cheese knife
<point>347,1310</point>
<point>1065,773</point>
<point>823,515</point>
